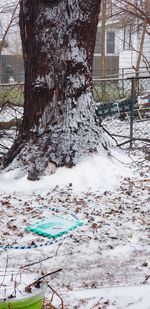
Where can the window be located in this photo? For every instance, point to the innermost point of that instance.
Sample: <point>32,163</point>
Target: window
<point>97,43</point>
<point>110,42</point>
<point>127,38</point>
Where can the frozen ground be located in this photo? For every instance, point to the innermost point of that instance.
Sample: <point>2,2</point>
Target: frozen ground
<point>105,262</point>
<point>110,249</point>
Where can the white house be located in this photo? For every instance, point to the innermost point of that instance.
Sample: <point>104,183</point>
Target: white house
<point>129,50</point>
<point>123,39</point>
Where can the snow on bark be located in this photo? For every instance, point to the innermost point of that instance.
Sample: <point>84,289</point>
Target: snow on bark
<point>59,123</point>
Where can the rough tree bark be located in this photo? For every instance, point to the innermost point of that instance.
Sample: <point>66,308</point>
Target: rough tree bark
<point>59,127</point>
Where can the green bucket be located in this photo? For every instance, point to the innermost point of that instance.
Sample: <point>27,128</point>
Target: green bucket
<point>34,301</point>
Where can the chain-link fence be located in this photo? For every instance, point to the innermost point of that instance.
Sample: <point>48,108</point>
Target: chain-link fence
<point>107,90</point>
<point>11,110</point>
<point>11,94</point>
<point>123,105</point>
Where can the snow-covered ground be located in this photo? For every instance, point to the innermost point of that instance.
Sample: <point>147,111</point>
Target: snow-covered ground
<point>136,297</point>
<point>106,261</point>
<point>110,249</point>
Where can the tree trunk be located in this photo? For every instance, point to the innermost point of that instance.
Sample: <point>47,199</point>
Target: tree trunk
<point>58,38</point>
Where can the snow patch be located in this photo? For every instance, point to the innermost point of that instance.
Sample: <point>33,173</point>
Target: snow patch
<point>137,297</point>
<point>95,173</point>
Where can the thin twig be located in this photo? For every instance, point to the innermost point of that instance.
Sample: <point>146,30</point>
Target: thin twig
<point>147,277</point>
<point>44,276</point>
<point>62,303</point>
<point>110,134</point>
<point>147,140</point>
<point>5,271</point>
<point>43,260</point>
<point>48,306</point>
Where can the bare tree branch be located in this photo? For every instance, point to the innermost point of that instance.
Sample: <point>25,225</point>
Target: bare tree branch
<point>10,23</point>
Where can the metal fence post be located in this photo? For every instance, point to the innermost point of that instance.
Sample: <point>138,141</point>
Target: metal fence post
<point>131,111</point>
